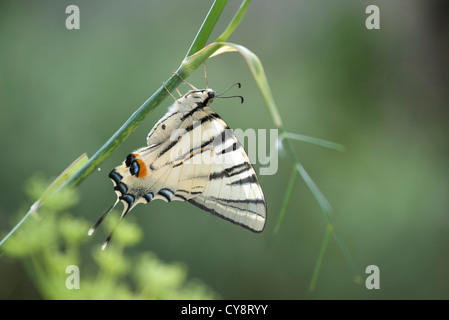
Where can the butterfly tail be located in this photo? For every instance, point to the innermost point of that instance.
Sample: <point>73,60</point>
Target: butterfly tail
<point>124,213</point>
<point>95,226</point>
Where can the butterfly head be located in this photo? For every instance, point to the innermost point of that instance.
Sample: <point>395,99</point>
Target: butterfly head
<point>196,98</point>
<point>182,109</point>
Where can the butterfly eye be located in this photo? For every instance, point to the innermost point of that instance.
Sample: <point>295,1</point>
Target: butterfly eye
<point>163,126</point>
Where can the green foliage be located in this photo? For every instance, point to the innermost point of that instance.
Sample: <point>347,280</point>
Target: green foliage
<point>112,262</point>
<point>56,239</point>
<point>370,90</point>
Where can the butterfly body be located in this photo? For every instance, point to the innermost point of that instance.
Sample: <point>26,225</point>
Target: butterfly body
<point>192,155</point>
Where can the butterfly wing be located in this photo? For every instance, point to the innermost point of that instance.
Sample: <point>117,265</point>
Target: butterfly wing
<point>194,156</point>
<point>232,191</point>
<point>169,170</point>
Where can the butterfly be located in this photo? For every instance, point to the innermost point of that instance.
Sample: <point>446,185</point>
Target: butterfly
<point>192,155</point>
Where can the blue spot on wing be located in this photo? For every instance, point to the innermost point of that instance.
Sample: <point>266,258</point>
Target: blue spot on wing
<point>134,168</point>
<point>166,193</point>
<point>149,196</point>
<point>115,176</point>
<point>121,187</point>
<point>129,199</point>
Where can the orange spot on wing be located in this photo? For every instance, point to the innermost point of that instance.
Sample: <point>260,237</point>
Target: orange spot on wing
<point>142,169</point>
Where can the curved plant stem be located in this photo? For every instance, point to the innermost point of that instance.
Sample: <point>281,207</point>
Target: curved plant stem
<point>206,28</point>
<point>196,55</point>
<point>316,270</point>
<point>287,196</point>
<point>184,70</point>
<point>234,22</point>
<point>10,233</point>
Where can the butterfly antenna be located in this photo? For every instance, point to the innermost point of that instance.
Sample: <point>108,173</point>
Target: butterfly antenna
<point>92,230</point>
<point>235,84</point>
<point>241,98</point>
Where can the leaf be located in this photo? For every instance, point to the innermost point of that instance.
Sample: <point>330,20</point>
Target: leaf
<point>63,177</point>
<point>313,140</point>
<point>254,65</point>
<point>287,196</point>
<point>234,22</point>
<point>319,262</point>
<point>208,25</point>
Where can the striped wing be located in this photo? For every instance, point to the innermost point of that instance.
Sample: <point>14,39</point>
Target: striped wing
<point>204,164</point>
<point>232,191</point>
<point>171,170</point>
<point>192,155</point>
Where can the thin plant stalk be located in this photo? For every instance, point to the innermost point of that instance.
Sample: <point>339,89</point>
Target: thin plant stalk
<point>319,262</point>
<point>287,196</point>
<point>184,70</point>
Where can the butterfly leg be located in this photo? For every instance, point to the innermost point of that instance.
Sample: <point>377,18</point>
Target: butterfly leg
<point>187,83</point>
<point>205,75</point>
<point>163,83</point>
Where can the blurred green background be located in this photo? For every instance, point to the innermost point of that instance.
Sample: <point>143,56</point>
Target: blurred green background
<point>381,93</point>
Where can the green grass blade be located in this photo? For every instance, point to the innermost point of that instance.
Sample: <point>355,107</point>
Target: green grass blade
<point>348,258</point>
<point>206,28</point>
<point>254,65</point>
<point>319,262</point>
<point>324,204</point>
<point>149,105</point>
<point>287,196</point>
<point>285,202</point>
<point>54,186</point>
<point>17,226</point>
<point>313,140</point>
<point>64,176</point>
<point>259,75</point>
<point>321,199</point>
<point>234,22</point>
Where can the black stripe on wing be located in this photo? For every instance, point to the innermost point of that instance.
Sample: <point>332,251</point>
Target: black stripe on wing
<point>231,148</point>
<point>195,124</point>
<point>249,179</point>
<point>207,209</point>
<point>254,201</point>
<point>191,153</point>
<point>232,171</point>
